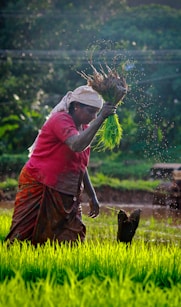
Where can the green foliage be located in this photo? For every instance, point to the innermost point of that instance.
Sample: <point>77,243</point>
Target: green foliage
<point>147,28</point>
<point>41,50</point>
<point>100,180</point>
<point>12,163</point>
<point>121,166</point>
<point>155,73</point>
<point>113,165</point>
<point>8,184</point>
<point>112,171</point>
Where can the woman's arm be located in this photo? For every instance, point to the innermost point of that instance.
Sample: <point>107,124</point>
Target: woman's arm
<point>94,204</point>
<point>79,142</point>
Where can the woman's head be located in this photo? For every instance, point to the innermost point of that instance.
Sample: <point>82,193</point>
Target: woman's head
<point>84,104</point>
<point>84,95</point>
<point>82,113</point>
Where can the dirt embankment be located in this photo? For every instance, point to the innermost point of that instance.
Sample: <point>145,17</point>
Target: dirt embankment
<point>104,194</point>
<point>111,195</point>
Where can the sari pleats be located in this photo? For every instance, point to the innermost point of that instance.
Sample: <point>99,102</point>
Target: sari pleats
<point>42,213</point>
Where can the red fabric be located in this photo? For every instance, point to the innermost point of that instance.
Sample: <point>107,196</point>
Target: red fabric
<point>41,213</point>
<point>53,163</point>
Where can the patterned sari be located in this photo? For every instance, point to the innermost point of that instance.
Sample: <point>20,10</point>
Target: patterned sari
<point>42,213</point>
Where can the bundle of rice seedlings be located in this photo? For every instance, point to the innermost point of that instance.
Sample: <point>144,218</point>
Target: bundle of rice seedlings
<point>112,87</point>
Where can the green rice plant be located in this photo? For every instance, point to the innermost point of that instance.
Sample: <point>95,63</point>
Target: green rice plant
<point>162,231</point>
<point>5,222</point>
<point>89,292</point>
<point>100,272</point>
<point>112,88</point>
<point>140,263</point>
<point>110,133</point>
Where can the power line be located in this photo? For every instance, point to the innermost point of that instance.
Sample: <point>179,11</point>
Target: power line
<point>35,13</point>
<point>146,57</point>
<point>173,52</point>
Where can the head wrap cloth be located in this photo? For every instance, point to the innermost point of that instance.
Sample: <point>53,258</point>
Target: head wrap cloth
<point>83,94</point>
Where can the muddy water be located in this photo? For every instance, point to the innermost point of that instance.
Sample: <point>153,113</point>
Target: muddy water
<point>148,210</point>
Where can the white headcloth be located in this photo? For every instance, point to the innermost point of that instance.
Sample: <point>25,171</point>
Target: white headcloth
<point>83,94</point>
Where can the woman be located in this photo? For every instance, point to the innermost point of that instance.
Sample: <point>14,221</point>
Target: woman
<point>47,204</point>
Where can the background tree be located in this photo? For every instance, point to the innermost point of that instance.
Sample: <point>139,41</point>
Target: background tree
<point>151,34</point>
<point>43,44</point>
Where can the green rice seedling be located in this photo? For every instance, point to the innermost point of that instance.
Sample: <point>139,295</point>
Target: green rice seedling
<point>110,133</point>
<point>140,263</point>
<point>161,231</point>
<point>94,274</point>
<point>112,88</point>
<point>90,292</point>
<point>5,222</point>
<point>100,272</point>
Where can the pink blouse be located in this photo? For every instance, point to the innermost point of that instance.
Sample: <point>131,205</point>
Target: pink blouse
<point>53,163</point>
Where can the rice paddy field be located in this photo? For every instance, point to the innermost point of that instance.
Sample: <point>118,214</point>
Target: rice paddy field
<point>100,272</point>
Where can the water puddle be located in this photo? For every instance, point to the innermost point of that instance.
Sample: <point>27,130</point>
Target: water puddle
<point>148,210</point>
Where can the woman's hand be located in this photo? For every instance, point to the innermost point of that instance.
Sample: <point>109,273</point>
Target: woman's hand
<point>94,207</point>
<point>107,110</point>
<point>80,141</point>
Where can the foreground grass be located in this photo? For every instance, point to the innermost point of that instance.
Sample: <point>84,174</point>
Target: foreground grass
<point>100,272</point>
